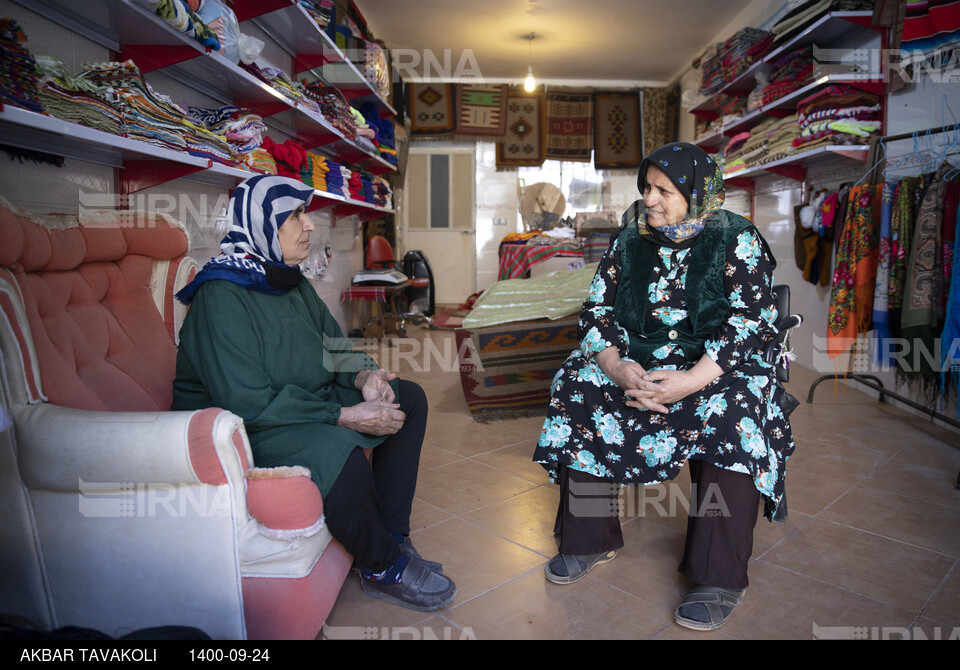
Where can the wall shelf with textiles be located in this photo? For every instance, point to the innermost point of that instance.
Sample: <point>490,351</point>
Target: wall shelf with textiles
<point>290,26</point>
<point>841,35</point>
<point>133,32</point>
<point>830,30</point>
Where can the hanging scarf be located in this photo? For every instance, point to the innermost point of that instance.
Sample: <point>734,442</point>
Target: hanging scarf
<point>881,294</point>
<point>950,338</point>
<point>250,253</point>
<point>854,277</point>
<point>698,179</point>
<point>901,234</point>
<point>921,300</point>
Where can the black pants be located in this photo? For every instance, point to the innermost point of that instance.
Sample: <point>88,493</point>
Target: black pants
<point>724,508</point>
<point>370,500</point>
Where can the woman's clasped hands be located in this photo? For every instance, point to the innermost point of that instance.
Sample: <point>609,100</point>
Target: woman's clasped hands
<point>378,414</point>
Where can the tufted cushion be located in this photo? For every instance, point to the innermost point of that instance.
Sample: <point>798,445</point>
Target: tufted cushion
<point>100,341</point>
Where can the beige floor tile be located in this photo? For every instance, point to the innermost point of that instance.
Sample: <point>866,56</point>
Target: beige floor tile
<point>526,518</point>
<point>782,604</point>
<point>465,485</point>
<point>892,572</point>
<point>532,608</point>
<point>516,459</point>
<point>897,517</point>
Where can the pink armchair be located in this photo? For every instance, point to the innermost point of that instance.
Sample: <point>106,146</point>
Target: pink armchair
<point>116,513</point>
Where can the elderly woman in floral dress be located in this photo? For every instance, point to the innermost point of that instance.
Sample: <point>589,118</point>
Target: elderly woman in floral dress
<point>670,371</point>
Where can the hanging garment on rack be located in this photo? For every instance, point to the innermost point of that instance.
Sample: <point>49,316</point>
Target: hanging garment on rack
<point>950,338</point>
<point>881,294</point>
<point>924,283</point>
<point>851,298</point>
<point>901,235</point>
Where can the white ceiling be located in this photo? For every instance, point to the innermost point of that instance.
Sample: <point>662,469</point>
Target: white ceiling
<point>593,42</point>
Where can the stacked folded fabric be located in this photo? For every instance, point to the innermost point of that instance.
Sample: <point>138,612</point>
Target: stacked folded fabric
<point>734,162</point>
<point>18,71</point>
<point>181,18</point>
<point>742,50</point>
<point>306,169</point>
<point>321,11</point>
<point>384,134</point>
<point>289,156</point>
<point>76,99</point>
<point>800,13</point>
<point>279,81</point>
<point>151,117</point>
<point>260,160</point>
<point>382,193</point>
<point>366,137</point>
<point>334,177</point>
<point>333,107</point>
<point>320,171</point>
<point>788,73</point>
<point>780,136</point>
<point>733,109</point>
<point>837,114</point>
<point>711,70</point>
<point>241,128</point>
<point>753,151</point>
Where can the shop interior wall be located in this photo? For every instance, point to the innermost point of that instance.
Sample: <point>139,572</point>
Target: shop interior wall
<point>199,206</point>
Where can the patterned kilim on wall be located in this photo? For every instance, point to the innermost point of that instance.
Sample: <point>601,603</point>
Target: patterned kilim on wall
<point>506,370</point>
<point>431,107</point>
<point>482,109</point>
<point>569,124</point>
<point>523,141</point>
<point>617,141</point>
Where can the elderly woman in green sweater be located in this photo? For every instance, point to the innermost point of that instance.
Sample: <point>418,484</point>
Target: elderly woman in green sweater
<point>259,342</point>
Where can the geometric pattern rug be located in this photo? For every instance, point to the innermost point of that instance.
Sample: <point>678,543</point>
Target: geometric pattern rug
<point>522,144</point>
<point>569,124</point>
<point>506,370</point>
<point>482,109</point>
<point>432,108</point>
<point>617,140</point>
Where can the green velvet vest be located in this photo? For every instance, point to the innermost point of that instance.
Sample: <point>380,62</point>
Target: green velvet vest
<point>706,302</point>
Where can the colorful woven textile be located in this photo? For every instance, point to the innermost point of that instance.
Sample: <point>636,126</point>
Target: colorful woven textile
<point>855,273</point>
<point>432,109</point>
<point>550,296</point>
<point>523,142</point>
<point>506,370</point>
<point>482,109</point>
<point>569,124</point>
<point>517,259</point>
<point>617,138</point>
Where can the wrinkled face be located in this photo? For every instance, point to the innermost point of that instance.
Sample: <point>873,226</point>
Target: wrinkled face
<point>294,236</point>
<point>665,204</point>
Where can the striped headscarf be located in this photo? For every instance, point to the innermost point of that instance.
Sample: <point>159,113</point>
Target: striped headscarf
<point>250,253</point>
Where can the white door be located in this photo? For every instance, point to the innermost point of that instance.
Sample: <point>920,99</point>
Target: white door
<point>438,214</point>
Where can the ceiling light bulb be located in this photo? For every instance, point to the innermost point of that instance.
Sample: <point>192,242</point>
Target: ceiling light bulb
<point>529,83</point>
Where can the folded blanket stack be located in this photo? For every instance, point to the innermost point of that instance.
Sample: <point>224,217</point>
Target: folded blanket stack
<point>76,99</point>
<point>154,118</point>
<point>802,13</point>
<point>241,128</point>
<point>382,193</point>
<point>711,70</point>
<point>742,50</point>
<point>18,70</point>
<point>788,73</point>
<point>837,114</point>
<point>333,107</point>
<point>320,171</point>
<point>779,138</point>
<point>734,162</point>
<point>733,108</point>
<point>260,160</point>
<point>279,81</point>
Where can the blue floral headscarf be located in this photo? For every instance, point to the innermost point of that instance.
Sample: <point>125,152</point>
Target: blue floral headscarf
<point>696,176</point>
<point>250,253</point>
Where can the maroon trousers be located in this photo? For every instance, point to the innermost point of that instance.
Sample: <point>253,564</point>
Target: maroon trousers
<point>722,516</point>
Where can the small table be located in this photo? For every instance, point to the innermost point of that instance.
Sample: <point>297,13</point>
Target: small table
<point>383,316</point>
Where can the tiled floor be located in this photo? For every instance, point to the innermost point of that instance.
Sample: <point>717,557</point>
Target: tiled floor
<point>871,548</point>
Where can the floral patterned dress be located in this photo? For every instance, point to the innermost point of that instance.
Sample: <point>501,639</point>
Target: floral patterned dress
<point>733,423</point>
